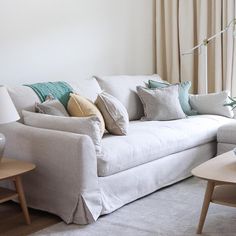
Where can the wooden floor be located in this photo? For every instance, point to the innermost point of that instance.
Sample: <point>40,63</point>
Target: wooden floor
<point>12,221</point>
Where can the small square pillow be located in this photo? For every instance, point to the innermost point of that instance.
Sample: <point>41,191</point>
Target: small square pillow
<point>114,113</point>
<point>183,94</point>
<point>79,106</point>
<point>212,103</point>
<point>51,107</point>
<point>161,104</point>
<point>81,125</point>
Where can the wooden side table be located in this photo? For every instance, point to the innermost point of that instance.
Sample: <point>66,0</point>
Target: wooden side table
<point>12,170</point>
<point>220,172</point>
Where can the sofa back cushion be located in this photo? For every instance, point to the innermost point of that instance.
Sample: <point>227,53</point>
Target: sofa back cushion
<point>123,87</point>
<point>88,88</point>
<point>25,98</point>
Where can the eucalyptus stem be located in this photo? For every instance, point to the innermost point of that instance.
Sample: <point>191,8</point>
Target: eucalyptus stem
<point>232,103</point>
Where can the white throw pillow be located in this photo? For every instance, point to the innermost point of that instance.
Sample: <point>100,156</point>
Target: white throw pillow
<point>161,103</point>
<point>123,87</point>
<point>81,125</point>
<point>114,113</point>
<point>212,103</point>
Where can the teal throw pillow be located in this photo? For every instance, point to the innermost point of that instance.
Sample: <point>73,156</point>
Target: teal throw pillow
<point>183,94</point>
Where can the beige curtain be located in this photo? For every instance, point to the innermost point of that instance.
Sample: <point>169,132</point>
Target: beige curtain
<point>180,25</point>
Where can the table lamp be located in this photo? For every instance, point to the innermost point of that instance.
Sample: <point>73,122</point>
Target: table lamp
<point>8,113</point>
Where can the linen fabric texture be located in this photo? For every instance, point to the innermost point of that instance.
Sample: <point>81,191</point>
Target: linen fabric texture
<point>183,94</point>
<point>227,133</point>
<point>80,106</point>
<point>80,125</point>
<point>151,140</point>
<point>226,137</point>
<point>88,88</point>
<point>82,196</point>
<point>212,103</point>
<point>66,181</point>
<point>123,87</point>
<point>24,98</point>
<point>114,113</point>
<point>161,104</point>
<point>51,107</point>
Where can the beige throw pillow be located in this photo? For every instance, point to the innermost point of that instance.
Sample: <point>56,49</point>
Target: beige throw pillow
<point>79,106</point>
<point>114,113</point>
<point>81,125</point>
<point>161,103</point>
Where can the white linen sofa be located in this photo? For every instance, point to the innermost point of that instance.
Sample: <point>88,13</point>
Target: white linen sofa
<point>71,182</point>
<point>226,138</point>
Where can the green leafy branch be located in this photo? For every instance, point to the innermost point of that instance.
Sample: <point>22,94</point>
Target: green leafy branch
<point>232,103</point>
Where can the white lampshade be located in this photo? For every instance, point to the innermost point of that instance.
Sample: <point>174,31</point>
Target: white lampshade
<point>8,112</point>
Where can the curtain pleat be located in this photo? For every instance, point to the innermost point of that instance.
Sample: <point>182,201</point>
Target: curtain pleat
<point>167,45</point>
<point>233,75</point>
<point>180,25</point>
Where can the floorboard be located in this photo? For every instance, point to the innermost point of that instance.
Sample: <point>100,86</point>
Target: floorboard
<point>12,221</point>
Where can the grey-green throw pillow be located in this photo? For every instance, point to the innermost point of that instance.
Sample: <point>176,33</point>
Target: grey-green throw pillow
<point>183,94</point>
<point>161,104</point>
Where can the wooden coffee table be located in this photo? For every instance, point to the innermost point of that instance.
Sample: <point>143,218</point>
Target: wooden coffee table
<point>220,173</point>
<point>12,170</point>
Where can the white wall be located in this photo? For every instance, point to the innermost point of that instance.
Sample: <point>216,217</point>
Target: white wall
<point>43,40</point>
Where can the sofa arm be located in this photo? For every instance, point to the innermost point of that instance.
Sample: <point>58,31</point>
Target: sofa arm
<point>65,181</point>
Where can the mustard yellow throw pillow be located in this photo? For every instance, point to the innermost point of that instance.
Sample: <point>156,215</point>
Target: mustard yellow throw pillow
<point>79,106</point>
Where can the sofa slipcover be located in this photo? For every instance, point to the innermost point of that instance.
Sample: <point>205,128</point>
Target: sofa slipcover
<point>66,181</point>
<point>129,185</point>
<point>150,140</point>
<point>227,133</point>
<point>226,138</point>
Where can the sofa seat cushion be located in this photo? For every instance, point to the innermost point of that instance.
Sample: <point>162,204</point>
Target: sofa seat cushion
<point>151,140</point>
<point>227,133</point>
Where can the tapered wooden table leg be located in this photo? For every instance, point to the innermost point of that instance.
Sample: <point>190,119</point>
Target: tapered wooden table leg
<point>205,206</point>
<point>21,196</point>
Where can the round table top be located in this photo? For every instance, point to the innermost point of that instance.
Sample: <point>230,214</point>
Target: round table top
<point>10,168</point>
<point>221,169</point>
